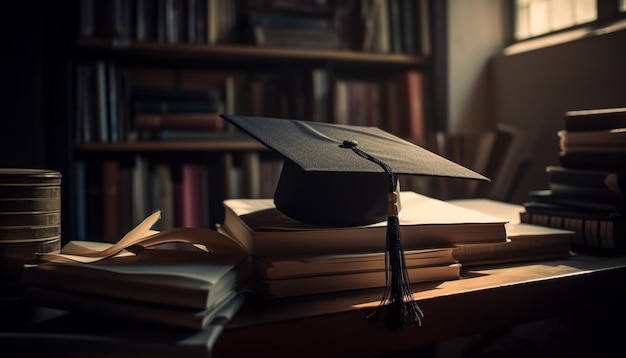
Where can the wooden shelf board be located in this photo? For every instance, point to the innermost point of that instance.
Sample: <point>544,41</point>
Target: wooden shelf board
<point>248,53</point>
<point>173,146</point>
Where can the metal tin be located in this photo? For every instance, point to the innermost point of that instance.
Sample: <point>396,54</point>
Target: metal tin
<point>30,222</point>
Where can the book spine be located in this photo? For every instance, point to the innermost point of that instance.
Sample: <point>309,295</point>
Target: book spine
<point>204,121</point>
<point>110,201</point>
<point>417,125</point>
<point>192,195</point>
<point>590,232</point>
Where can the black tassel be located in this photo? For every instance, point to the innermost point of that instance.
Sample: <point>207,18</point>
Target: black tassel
<point>397,305</point>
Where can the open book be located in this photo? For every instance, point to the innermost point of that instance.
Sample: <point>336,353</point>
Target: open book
<point>139,278</point>
<point>191,279</point>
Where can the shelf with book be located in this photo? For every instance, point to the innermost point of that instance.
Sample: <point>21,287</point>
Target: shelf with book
<point>241,53</point>
<point>150,80</point>
<point>220,145</point>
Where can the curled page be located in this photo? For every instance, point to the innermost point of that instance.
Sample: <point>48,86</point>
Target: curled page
<point>143,236</point>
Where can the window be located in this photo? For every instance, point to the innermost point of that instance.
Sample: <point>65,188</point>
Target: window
<point>539,17</point>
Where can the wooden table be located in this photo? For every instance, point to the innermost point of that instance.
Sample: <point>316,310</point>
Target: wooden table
<point>485,299</point>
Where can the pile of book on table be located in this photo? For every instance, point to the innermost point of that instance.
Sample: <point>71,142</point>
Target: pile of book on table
<point>290,258</point>
<point>586,189</point>
<point>187,278</point>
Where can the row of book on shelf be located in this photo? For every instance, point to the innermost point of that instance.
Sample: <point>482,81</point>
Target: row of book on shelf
<point>374,25</point>
<point>586,187</point>
<point>116,104</point>
<point>114,194</point>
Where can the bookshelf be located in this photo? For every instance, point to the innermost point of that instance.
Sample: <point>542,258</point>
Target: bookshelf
<point>372,73</point>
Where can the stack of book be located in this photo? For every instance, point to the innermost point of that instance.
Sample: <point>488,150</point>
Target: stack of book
<point>525,242</point>
<point>144,278</point>
<point>290,258</point>
<point>586,189</point>
<point>173,113</point>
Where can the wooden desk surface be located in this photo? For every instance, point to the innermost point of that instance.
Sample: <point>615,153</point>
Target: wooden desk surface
<point>484,299</point>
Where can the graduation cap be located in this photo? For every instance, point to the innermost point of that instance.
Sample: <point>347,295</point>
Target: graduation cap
<point>345,175</point>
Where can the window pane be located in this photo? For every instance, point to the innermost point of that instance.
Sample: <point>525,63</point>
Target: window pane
<point>561,14</point>
<point>522,23</point>
<point>585,11</point>
<point>539,17</point>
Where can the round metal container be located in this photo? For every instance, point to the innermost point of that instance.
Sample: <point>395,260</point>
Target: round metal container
<point>30,222</point>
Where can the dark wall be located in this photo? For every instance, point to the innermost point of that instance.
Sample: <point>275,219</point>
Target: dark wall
<point>533,90</point>
<point>22,139</point>
<point>32,132</point>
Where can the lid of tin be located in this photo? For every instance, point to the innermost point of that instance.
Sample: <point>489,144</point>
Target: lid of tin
<point>23,176</point>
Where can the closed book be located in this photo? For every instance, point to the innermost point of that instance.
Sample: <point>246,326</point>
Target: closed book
<point>167,315</point>
<point>593,160</point>
<point>609,182</point>
<point>308,285</point>
<point>610,140</point>
<point>590,232</point>
<point>555,209</point>
<point>595,119</point>
<point>282,268</point>
<point>425,222</point>
<point>580,198</point>
<point>594,228</point>
<point>80,335</point>
<point>525,242</point>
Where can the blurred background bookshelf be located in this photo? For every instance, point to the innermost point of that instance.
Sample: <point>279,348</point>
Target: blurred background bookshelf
<point>495,101</point>
<point>150,79</point>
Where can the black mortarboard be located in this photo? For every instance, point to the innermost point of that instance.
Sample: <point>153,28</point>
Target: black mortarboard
<point>344,175</point>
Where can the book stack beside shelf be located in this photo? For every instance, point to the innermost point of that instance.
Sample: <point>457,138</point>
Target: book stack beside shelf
<point>181,278</point>
<point>290,258</point>
<point>525,242</point>
<point>586,189</point>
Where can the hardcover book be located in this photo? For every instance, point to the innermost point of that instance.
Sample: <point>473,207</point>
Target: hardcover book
<point>595,119</point>
<point>425,222</point>
<point>525,241</point>
<point>308,285</point>
<point>142,276</point>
